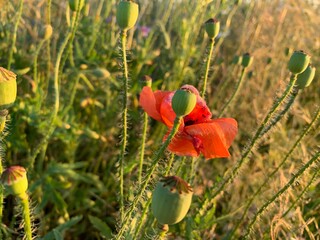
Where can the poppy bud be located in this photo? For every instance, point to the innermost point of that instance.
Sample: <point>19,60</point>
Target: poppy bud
<point>304,79</point>
<point>8,88</point>
<point>146,81</point>
<point>247,60</point>
<point>47,32</point>
<point>3,116</point>
<point>183,102</point>
<point>237,2</point>
<point>73,4</point>
<point>212,27</point>
<point>127,14</point>
<point>237,60</point>
<point>171,200</point>
<point>15,180</point>
<point>298,62</point>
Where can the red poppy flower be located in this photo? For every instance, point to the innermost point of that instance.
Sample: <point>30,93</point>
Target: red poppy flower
<point>198,133</point>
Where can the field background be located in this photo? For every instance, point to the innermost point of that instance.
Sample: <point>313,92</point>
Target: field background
<point>73,170</point>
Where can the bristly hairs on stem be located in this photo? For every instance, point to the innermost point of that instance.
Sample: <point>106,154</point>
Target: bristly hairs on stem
<point>255,140</point>
<point>156,158</point>
<point>295,145</point>
<point>208,61</point>
<point>262,209</point>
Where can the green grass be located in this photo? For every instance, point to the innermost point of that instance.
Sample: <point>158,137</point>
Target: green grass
<point>71,145</point>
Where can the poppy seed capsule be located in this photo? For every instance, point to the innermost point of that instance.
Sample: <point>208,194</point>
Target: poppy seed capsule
<point>237,60</point>
<point>47,32</point>
<point>183,102</point>
<point>304,79</point>
<point>15,181</point>
<point>212,27</point>
<point>127,14</point>
<point>3,117</point>
<point>298,62</point>
<point>8,88</point>
<point>247,60</point>
<point>171,200</point>
<point>73,4</point>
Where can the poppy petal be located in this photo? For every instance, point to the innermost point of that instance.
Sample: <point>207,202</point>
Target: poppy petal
<point>199,114</point>
<point>150,102</point>
<point>166,111</point>
<point>214,137</point>
<point>182,145</point>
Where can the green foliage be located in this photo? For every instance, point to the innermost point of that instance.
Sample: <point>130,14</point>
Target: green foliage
<point>70,144</point>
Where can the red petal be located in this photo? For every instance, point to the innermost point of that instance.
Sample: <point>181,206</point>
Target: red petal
<point>215,136</point>
<point>182,145</point>
<point>150,102</point>
<point>166,111</point>
<point>200,113</point>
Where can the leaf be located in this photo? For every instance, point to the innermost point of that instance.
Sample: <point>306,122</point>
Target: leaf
<point>104,229</point>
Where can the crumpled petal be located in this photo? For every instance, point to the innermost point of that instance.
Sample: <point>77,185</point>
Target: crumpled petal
<point>199,114</point>
<point>182,145</point>
<point>214,137</point>
<point>151,101</point>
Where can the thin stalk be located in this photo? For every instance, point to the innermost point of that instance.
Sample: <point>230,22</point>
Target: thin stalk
<point>295,145</point>
<point>255,140</point>
<point>26,216</point>
<point>279,193</point>
<point>156,158</point>
<point>207,68</point>
<point>235,93</point>
<point>35,65</point>
<point>14,36</point>
<point>48,45</point>
<point>124,118</point>
<point>143,143</point>
<point>54,113</point>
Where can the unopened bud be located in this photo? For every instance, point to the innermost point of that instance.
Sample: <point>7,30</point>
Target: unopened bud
<point>298,62</point>
<point>304,79</point>
<point>127,14</point>
<point>212,27</point>
<point>247,60</point>
<point>75,3</point>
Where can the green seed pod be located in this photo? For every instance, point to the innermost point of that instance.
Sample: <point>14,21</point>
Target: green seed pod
<point>237,2</point>
<point>298,62</point>
<point>3,117</point>
<point>15,180</point>
<point>304,79</point>
<point>237,60</point>
<point>247,60</point>
<point>127,14</point>
<point>212,27</point>
<point>8,88</point>
<point>183,102</point>
<point>73,4</point>
<point>171,200</point>
<point>288,51</point>
<point>146,81</point>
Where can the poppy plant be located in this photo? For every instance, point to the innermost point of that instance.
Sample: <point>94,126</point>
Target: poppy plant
<point>198,133</point>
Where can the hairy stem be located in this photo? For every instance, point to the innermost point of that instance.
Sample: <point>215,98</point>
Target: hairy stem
<point>279,193</point>
<point>26,216</point>
<point>207,69</point>
<point>143,143</point>
<point>235,93</point>
<point>156,158</point>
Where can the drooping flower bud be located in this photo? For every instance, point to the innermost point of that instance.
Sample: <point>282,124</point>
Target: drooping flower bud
<point>298,62</point>
<point>304,79</point>
<point>183,102</point>
<point>8,88</point>
<point>127,14</point>
<point>212,27</point>
<point>247,60</point>
<point>3,117</point>
<point>146,81</point>
<point>14,180</point>
<point>171,200</point>
<point>47,31</point>
<point>75,3</point>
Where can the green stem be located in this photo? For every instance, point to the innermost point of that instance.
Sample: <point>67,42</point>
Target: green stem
<point>254,141</point>
<point>35,66</point>
<point>235,93</point>
<point>124,119</point>
<point>14,36</point>
<point>207,69</point>
<point>54,113</point>
<point>295,145</point>
<point>279,193</point>
<point>143,142</point>
<point>48,45</point>
<point>26,216</point>
<point>154,164</point>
